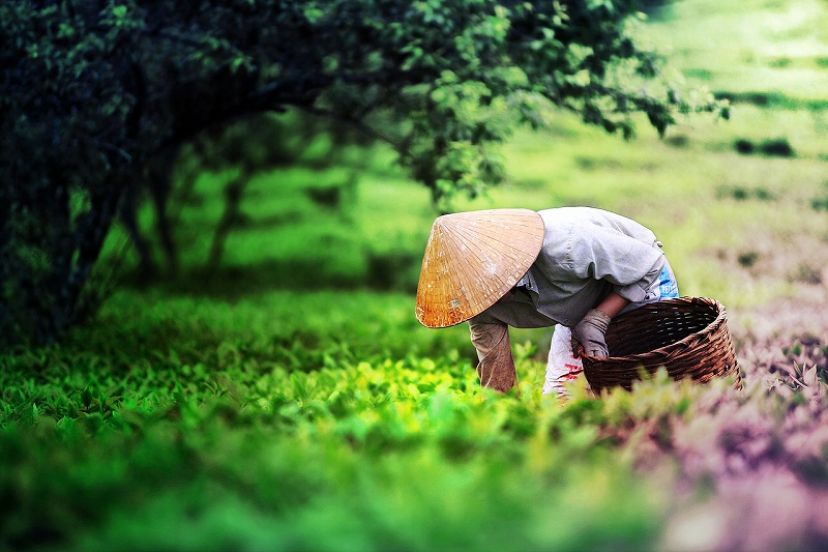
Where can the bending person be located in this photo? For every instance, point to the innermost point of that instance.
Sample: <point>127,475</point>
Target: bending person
<point>574,268</point>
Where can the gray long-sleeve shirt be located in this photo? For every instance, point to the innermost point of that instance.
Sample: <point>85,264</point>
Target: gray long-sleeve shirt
<point>586,254</point>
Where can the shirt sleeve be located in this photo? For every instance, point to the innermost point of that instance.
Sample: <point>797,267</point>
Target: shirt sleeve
<point>637,292</point>
<point>490,337</point>
<point>630,265</point>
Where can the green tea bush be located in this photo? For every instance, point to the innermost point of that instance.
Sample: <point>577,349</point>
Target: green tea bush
<point>156,433</point>
<point>332,421</point>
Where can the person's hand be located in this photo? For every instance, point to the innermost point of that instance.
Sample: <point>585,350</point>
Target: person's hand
<point>589,334</point>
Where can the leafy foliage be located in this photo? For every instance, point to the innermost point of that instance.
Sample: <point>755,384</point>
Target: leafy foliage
<point>198,424</point>
<point>201,418</point>
<point>186,422</point>
<point>95,91</point>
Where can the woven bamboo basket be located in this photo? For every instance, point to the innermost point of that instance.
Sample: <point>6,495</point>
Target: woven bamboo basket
<point>688,336</point>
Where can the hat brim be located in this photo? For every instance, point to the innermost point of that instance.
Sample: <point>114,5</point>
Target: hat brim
<point>472,259</point>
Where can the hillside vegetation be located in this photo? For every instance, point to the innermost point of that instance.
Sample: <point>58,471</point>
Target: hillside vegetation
<point>290,400</point>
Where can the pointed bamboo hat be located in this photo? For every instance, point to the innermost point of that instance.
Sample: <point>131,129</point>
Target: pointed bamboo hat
<point>472,259</point>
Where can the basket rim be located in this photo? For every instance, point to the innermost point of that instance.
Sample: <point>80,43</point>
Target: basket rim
<point>714,325</point>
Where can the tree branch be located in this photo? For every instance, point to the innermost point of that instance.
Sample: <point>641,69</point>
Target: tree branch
<point>359,124</point>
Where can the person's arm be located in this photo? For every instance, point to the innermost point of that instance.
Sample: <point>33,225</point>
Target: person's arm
<point>630,265</point>
<point>495,368</point>
<point>613,304</point>
<point>589,333</point>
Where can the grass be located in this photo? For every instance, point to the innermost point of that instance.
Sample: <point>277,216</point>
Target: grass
<point>290,400</point>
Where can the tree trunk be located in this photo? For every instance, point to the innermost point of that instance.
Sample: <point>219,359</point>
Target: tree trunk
<point>160,176</point>
<point>233,195</point>
<point>128,213</point>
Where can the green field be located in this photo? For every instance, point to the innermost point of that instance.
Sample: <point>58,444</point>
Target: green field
<point>290,400</point>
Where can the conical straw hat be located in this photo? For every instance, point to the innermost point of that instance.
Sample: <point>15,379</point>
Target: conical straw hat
<point>472,259</point>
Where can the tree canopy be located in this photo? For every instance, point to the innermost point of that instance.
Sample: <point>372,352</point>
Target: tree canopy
<point>91,92</point>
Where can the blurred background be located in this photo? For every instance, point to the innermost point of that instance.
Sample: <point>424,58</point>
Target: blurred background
<point>294,202</point>
<point>255,378</point>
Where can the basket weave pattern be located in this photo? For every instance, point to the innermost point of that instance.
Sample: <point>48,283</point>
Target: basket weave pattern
<point>688,336</point>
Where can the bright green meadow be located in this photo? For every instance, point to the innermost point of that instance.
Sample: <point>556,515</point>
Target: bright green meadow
<point>290,400</point>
